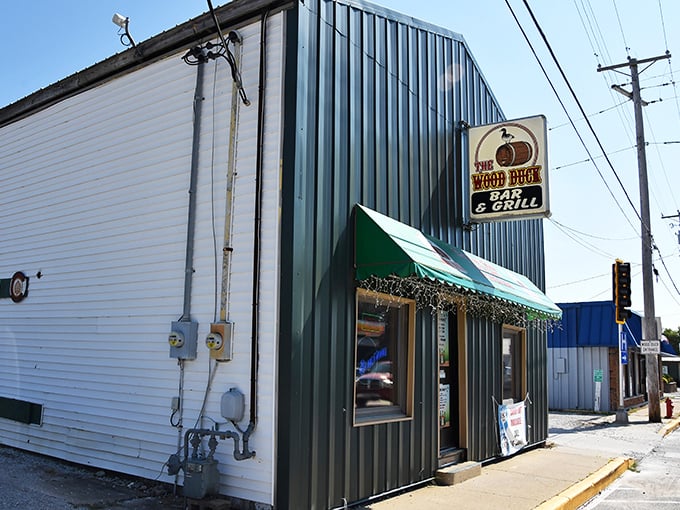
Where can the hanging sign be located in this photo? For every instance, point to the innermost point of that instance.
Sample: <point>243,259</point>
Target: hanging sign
<point>508,170</point>
<point>512,427</point>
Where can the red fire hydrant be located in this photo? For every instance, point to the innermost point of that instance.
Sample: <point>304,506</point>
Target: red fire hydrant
<point>669,408</point>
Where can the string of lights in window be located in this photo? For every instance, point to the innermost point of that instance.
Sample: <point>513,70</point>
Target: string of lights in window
<point>437,296</point>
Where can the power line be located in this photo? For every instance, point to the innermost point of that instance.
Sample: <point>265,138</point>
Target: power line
<point>624,115</point>
<point>590,116</point>
<point>590,160</point>
<point>623,35</point>
<point>545,40</point>
<point>588,246</point>
<point>608,290</point>
<point>663,263</point>
<point>553,220</point>
<point>661,162</point>
<point>663,26</point>
<point>566,284</point>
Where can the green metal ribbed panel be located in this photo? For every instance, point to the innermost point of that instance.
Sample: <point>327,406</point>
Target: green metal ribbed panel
<point>368,120</point>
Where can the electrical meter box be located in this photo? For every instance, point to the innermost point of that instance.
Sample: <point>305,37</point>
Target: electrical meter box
<point>219,341</point>
<point>183,339</point>
<point>201,478</point>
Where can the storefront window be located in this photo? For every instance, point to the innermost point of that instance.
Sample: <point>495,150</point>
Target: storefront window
<point>383,382</point>
<point>513,365</point>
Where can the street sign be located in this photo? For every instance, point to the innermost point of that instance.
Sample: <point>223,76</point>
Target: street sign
<point>624,348</point>
<point>650,347</point>
<point>598,374</point>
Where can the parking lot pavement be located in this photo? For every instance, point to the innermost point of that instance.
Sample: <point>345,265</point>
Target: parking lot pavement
<point>36,481</point>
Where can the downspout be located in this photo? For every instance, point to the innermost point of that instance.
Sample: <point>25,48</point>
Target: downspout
<point>257,229</point>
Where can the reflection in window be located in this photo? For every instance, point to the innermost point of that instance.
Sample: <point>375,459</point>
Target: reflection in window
<point>384,343</point>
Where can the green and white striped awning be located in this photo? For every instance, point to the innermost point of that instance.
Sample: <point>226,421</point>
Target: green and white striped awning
<point>386,248</point>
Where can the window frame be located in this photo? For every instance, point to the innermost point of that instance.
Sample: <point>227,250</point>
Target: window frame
<point>519,363</point>
<point>403,410</point>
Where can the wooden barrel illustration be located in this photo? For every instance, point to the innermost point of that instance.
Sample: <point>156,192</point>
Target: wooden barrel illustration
<point>514,153</point>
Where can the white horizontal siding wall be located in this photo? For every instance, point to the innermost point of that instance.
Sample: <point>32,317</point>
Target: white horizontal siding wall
<point>95,197</point>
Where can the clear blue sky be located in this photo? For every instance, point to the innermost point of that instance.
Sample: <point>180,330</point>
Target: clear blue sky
<point>45,41</point>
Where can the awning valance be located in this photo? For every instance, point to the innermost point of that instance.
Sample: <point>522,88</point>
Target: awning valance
<point>386,248</point>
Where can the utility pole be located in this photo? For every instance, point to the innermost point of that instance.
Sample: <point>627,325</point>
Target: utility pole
<point>649,322</point>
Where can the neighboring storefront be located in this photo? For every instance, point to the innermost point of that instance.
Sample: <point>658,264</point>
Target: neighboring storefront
<point>587,368</point>
<point>276,252</point>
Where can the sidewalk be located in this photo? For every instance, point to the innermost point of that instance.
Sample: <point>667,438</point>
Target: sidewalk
<point>583,454</point>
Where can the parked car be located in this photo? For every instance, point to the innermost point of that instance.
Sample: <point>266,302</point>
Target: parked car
<point>376,386</point>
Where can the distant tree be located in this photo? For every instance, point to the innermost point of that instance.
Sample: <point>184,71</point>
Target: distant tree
<point>673,336</point>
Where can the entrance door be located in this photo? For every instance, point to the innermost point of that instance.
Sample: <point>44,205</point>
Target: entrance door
<point>447,329</point>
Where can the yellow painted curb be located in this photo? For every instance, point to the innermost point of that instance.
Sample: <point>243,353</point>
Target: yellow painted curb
<point>576,495</point>
<point>667,429</point>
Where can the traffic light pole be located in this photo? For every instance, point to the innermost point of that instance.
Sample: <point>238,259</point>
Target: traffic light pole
<point>649,322</point>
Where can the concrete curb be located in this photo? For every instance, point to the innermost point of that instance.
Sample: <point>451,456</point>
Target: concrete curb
<point>576,495</point>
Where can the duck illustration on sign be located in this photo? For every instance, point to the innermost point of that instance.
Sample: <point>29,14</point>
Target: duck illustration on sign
<point>512,153</point>
<point>508,170</point>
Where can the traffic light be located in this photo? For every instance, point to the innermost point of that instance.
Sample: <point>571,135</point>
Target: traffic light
<point>621,288</point>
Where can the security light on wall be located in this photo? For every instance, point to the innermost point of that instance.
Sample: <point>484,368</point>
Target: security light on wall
<point>123,22</point>
<point>119,20</point>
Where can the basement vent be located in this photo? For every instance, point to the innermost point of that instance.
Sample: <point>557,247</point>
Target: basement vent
<point>20,410</point>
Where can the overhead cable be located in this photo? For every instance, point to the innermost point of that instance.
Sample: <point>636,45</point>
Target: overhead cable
<point>571,120</point>
<point>578,103</point>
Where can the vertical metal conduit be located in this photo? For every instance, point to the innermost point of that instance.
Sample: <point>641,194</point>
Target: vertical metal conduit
<point>191,229</point>
<point>191,219</point>
<point>231,174</point>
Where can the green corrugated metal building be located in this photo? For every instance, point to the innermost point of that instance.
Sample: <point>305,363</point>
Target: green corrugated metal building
<point>375,115</point>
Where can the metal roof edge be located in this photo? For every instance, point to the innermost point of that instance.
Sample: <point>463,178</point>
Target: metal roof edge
<point>590,304</point>
<point>232,15</point>
<point>423,25</point>
<point>401,17</point>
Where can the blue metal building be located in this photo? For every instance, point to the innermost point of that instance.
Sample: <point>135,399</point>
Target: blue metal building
<point>583,351</point>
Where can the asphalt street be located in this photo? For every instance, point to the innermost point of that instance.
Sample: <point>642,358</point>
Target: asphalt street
<point>653,484</point>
